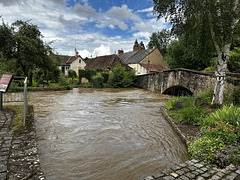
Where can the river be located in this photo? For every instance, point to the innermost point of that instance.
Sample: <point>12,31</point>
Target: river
<point>104,134</point>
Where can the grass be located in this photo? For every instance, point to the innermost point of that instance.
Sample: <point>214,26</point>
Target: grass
<point>17,114</point>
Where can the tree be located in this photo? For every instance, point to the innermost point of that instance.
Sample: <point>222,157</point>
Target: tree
<point>142,46</point>
<point>189,52</point>
<point>160,40</point>
<point>221,16</point>
<point>22,43</point>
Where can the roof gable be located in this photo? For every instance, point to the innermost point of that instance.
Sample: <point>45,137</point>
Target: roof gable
<point>135,57</point>
<point>66,60</point>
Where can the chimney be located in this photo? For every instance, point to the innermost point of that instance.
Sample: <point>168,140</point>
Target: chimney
<point>76,52</point>
<point>136,46</point>
<point>120,51</point>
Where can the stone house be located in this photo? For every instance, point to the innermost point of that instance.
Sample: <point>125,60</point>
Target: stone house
<point>144,61</point>
<point>70,62</point>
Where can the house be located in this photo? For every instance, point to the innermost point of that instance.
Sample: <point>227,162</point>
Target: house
<point>144,61</point>
<point>106,62</point>
<point>70,62</point>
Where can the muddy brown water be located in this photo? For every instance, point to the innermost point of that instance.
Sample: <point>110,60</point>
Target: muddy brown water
<point>104,134</point>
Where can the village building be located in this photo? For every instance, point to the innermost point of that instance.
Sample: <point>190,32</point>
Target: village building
<point>106,62</point>
<point>144,61</point>
<point>70,62</point>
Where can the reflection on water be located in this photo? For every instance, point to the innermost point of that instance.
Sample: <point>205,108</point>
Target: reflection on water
<point>103,134</point>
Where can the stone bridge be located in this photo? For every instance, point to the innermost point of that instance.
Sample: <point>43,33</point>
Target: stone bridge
<point>184,82</point>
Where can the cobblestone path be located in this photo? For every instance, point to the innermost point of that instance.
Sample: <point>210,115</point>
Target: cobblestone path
<point>18,152</point>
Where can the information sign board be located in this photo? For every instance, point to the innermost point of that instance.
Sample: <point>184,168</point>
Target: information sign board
<point>5,82</point>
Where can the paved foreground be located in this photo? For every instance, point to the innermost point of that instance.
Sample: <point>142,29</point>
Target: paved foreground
<point>18,152</point>
<point>196,170</point>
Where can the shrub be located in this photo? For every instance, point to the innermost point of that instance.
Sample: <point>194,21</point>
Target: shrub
<point>226,132</point>
<point>89,73</point>
<point>63,81</point>
<point>121,77</point>
<point>72,74</point>
<point>97,81</point>
<point>105,75</point>
<point>229,155</point>
<point>228,114</point>
<point>191,115</point>
<point>205,149</point>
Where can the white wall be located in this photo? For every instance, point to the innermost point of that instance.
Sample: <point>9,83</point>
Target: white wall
<point>75,65</point>
<point>138,68</point>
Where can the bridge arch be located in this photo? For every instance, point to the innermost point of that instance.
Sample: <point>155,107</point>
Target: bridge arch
<point>178,91</point>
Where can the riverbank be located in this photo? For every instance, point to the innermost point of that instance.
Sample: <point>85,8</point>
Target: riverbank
<point>19,157</point>
<point>193,169</point>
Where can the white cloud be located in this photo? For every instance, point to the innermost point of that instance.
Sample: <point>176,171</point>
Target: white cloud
<point>84,10</point>
<point>146,10</point>
<point>122,13</point>
<point>62,25</point>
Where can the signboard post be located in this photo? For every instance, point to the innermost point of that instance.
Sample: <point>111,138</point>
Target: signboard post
<point>5,82</point>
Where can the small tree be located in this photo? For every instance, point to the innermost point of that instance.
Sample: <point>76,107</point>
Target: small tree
<point>121,77</point>
<point>72,74</point>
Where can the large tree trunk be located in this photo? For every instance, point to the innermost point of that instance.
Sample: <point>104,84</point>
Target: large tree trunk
<point>223,56</point>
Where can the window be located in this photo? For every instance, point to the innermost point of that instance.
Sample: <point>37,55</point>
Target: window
<point>80,60</point>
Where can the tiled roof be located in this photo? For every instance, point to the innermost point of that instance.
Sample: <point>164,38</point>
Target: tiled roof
<point>106,62</point>
<point>135,57</point>
<point>66,60</point>
<point>153,67</point>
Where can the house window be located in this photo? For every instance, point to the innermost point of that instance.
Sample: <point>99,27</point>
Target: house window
<point>80,60</point>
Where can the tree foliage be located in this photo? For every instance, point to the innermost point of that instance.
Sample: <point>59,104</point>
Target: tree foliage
<point>21,44</point>
<point>160,40</point>
<point>121,77</point>
<point>218,16</point>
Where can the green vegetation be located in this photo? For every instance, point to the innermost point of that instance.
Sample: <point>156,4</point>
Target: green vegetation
<point>218,142</point>
<point>118,77</point>
<point>17,112</point>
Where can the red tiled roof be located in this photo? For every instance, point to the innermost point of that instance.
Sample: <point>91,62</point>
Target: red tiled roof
<point>106,62</point>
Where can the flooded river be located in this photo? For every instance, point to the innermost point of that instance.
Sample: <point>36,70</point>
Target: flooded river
<point>103,134</point>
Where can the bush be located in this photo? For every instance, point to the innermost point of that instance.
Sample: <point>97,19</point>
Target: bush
<point>229,155</point>
<point>63,81</point>
<point>226,132</point>
<point>81,74</point>
<point>89,73</point>
<point>72,74</point>
<point>97,81</point>
<point>105,75</point>
<point>205,149</point>
<point>228,114</point>
<point>191,115</point>
<point>121,77</point>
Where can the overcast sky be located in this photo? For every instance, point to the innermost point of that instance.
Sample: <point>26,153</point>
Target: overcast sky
<point>96,27</point>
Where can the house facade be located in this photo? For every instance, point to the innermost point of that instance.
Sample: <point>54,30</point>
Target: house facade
<point>70,62</point>
<point>144,61</point>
